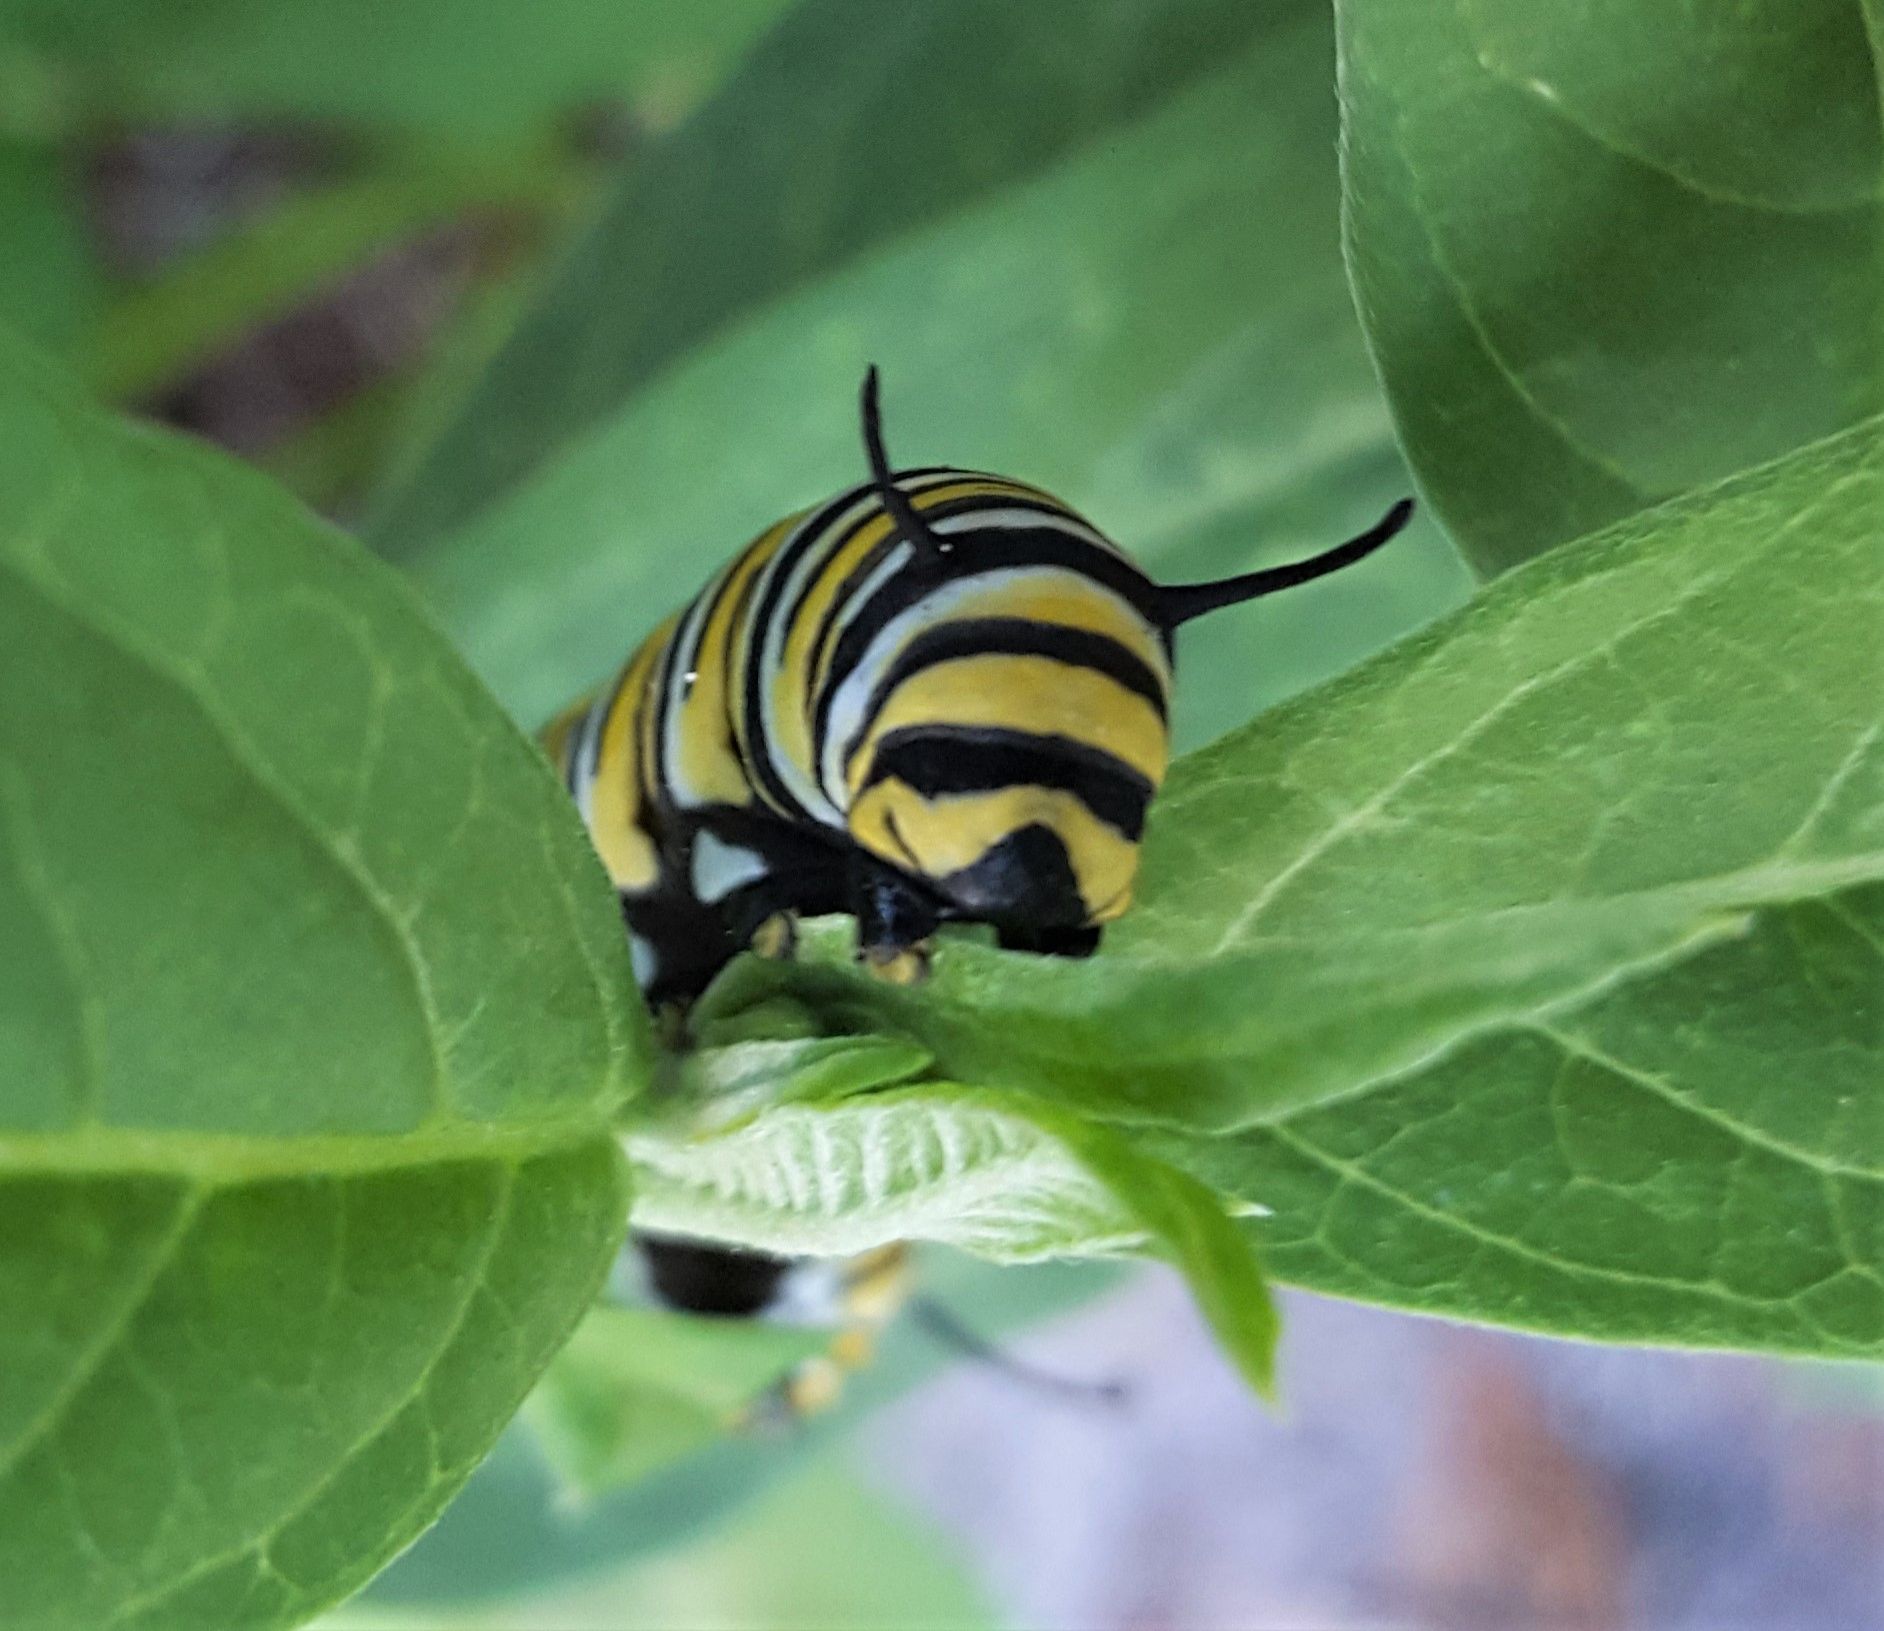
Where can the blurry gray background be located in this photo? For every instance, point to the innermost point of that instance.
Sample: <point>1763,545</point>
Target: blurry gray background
<point>1420,1474</point>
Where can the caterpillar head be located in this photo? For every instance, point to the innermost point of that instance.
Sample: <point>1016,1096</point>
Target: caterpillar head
<point>1008,762</point>
<point>1023,855</point>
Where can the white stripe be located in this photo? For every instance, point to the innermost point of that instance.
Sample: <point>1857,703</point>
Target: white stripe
<point>583,753</point>
<point>644,960</point>
<point>772,657</point>
<point>1015,519</point>
<point>718,868</point>
<point>686,656</point>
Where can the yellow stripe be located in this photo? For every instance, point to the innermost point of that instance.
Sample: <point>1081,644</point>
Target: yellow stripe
<point>618,798</point>
<point>1033,694</point>
<point>708,750</point>
<point>791,736</point>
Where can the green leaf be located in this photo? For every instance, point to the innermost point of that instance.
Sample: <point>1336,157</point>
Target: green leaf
<point>1114,270</point>
<point>1608,252</point>
<point>1609,777</point>
<point>1694,1157</point>
<point>734,1081</point>
<point>898,1571</point>
<point>1192,1228</point>
<point>314,1017</point>
<point>637,1388</point>
<point>712,226</point>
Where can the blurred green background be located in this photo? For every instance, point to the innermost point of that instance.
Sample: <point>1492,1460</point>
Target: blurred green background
<point>557,304</point>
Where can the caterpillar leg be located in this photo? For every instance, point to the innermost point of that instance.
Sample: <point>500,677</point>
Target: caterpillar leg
<point>867,1292</point>
<point>670,1024</point>
<point>775,937</point>
<point>895,921</point>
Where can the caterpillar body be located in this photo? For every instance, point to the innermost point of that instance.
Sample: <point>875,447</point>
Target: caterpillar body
<point>943,695</point>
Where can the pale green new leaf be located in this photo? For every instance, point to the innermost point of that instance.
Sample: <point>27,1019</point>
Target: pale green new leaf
<point>929,1163</point>
<point>1607,252</point>
<point>734,1080</point>
<point>314,1017</point>
<point>1005,1177</point>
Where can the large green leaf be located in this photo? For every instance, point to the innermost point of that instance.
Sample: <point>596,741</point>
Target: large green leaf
<point>1607,252</point>
<point>1581,851</point>
<point>313,1019</point>
<point>954,104</point>
<point>1695,1157</point>
<point>1113,269</point>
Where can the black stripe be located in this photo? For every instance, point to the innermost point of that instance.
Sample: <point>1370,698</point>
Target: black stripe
<point>736,643</point>
<point>1026,637</point>
<point>939,760</point>
<point>764,776</point>
<point>996,548</point>
<point>955,638</point>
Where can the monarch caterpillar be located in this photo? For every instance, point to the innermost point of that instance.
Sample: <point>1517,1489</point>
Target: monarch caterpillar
<point>940,696</point>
